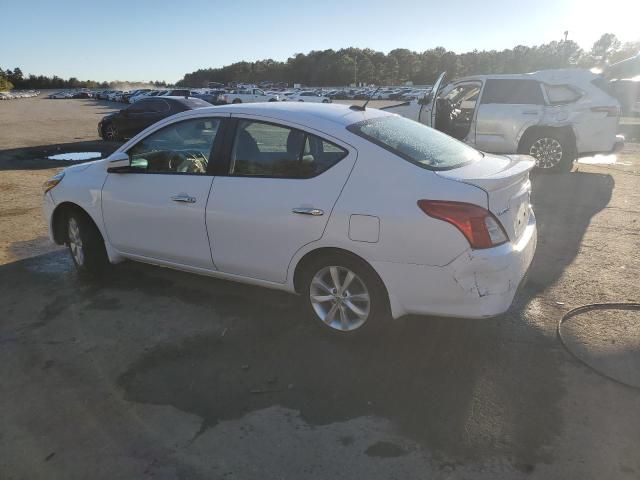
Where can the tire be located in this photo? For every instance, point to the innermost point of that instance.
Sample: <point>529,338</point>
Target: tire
<point>272,100</point>
<point>360,309</point>
<point>237,100</point>
<point>552,151</point>
<point>85,244</point>
<point>325,101</point>
<point>110,133</point>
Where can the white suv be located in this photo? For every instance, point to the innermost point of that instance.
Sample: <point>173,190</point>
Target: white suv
<point>553,115</point>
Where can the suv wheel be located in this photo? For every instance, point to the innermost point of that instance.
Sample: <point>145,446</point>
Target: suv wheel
<point>552,152</point>
<point>345,296</point>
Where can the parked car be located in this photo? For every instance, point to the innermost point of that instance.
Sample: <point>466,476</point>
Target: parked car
<point>250,95</point>
<point>127,96</point>
<point>82,95</point>
<point>361,212</point>
<point>211,96</point>
<point>552,115</point>
<point>140,95</point>
<point>131,120</point>
<point>176,92</point>
<point>60,95</point>
<point>311,97</point>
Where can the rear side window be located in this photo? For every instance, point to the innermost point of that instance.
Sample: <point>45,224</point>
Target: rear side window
<point>559,94</point>
<point>512,91</point>
<point>421,145</point>
<point>158,106</point>
<point>268,150</point>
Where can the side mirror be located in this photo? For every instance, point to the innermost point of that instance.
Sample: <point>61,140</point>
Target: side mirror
<point>118,163</point>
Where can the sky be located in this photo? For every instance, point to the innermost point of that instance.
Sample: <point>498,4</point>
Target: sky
<point>155,40</point>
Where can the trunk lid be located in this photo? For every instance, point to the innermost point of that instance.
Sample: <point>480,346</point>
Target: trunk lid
<point>505,179</point>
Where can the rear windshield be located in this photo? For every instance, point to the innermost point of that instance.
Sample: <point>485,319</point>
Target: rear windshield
<point>416,143</point>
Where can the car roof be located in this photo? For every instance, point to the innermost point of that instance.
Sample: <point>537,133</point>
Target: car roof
<point>301,112</point>
<point>550,76</point>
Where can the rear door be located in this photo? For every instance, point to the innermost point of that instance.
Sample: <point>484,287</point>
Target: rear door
<point>507,108</point>
<point>276,194</point>
<point>157,209</point>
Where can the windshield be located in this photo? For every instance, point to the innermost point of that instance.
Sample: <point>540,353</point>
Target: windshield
<point>416,143</point>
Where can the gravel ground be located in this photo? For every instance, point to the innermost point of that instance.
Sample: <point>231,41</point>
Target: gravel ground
<point>151,373</point>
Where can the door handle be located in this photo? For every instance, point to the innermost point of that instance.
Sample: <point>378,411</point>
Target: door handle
<point>184,198</point>
<point>530,112</point>
<point>316,212</point>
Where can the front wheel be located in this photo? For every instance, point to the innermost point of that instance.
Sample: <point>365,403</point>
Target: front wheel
<point>552,152</point>
<point>344,295</point>
<point>86,245</point>
<point>237,100</point>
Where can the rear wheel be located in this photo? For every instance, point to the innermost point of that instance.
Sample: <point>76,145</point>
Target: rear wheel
<point>237,100</point>
<point>344,295</point>
<point>553,153</point>
<point>85,244</point>
<point>110,132</point>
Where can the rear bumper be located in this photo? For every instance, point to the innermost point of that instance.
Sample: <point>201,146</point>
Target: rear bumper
<point>477,284</point>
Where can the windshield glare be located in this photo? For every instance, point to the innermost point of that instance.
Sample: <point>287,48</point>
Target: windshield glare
<point>416,143</point>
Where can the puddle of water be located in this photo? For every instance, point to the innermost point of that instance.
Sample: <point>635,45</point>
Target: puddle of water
<point>76,156</point>
<point>599,160</point>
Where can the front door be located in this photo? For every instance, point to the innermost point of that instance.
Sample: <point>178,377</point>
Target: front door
<point>156,209</point>
<point>507,108</point>
<point>276,196</point>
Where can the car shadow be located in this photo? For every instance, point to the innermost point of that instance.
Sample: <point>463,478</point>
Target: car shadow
<point>466,390</point>
<point>564,205</point>
<point>35,158</point>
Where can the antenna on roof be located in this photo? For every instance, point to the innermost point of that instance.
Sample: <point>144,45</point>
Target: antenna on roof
<point>363,107</point>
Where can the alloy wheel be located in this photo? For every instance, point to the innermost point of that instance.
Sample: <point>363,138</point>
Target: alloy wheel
<point>547,151</point>
<point>111,132</point>
<point>340,298</point>
<point>75,241</point>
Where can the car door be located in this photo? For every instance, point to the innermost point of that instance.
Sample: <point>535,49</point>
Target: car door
<point>428,108</point>
<point>276,195</point>
<point>507,108</point>
<point>155,209</point>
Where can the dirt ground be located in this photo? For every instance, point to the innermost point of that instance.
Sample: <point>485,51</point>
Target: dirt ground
<point>151,373</point>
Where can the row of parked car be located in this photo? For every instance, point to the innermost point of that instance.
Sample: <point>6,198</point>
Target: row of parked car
<point>15,94</point>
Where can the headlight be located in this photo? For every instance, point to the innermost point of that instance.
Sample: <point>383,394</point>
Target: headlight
<point>52,182</point>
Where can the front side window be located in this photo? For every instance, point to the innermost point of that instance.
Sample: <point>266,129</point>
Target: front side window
<point>268,150</point>
<point>512,91</point>
<point>182,147</point>
<point>417,143</point>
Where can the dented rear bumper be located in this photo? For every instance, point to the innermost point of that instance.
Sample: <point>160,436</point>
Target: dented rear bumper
<point>477,284</point>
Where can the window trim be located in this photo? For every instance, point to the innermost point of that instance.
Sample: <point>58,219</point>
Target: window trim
<point>224,161</point>
<point>214,152</point>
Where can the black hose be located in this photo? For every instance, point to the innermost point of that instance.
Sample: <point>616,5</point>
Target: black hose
<point>587,308</point>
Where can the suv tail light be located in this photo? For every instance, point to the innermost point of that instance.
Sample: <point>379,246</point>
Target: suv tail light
<point>479,226</point>
<point>610,111</point>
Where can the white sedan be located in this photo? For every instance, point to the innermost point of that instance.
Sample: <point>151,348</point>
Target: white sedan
<point>366,214</point>
<point>307,97</point>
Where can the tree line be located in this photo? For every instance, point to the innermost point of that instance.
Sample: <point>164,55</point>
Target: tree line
<point>365,66</point>
<point>10,79</point>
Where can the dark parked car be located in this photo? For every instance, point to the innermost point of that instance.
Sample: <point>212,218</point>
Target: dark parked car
<point>130,121</point>
<point>82,95</point>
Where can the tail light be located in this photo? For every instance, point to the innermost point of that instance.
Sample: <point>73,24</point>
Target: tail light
<point>479,226</point>
<point>610,111</point>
